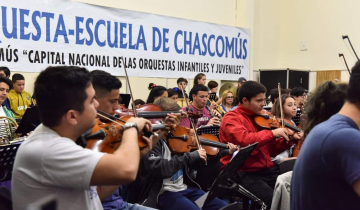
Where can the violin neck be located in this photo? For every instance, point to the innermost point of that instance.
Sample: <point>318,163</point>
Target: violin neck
<point>213,143</point>
<point>292,127</point>
<point>150,114</point>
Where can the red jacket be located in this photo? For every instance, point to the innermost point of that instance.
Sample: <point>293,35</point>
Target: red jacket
<point>237,128</point>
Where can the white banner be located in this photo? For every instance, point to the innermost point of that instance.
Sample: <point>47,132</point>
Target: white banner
<point>40,33</point>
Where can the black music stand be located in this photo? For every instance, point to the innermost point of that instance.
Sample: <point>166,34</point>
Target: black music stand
<point>7,159</point>
<point>125,99</point>
<point>209,129</point>
<point>221,184</point>
<point>30,121</point>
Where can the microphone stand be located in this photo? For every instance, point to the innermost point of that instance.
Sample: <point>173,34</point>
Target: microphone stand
<point>347,37</point>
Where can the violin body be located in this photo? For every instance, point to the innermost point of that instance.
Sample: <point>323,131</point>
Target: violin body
<point>267,121</point>
<point>182,141</point>
<point>296,149</point>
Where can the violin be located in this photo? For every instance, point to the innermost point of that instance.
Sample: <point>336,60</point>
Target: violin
<point>113,129</point>
<point>266,120</point>
<point>181,141</point>
<point>152,112</point>
<point>296,149</point>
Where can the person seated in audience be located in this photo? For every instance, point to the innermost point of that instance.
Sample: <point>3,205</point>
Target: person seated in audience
<point>50,163</point>
<point>182,83</point>
<point>19,99</point>
<point>258,174</point>
<point>156,92</point>
<point>5,86</point>
<point>173,94</point>
<point>241,81</point>
<point>299,94</point>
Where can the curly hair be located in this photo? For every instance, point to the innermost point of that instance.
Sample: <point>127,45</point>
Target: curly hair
<point>325,101</point>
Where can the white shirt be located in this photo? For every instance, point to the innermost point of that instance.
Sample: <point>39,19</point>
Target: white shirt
<point>47,163</point>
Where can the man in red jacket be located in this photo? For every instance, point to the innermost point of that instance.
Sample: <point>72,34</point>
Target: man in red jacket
<point>258,175</point>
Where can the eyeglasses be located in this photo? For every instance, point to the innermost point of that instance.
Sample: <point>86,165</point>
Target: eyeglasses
<point>229,97</point>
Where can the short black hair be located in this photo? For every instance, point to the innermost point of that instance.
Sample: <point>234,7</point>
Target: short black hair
<point>353,93</point>
<point>17,77</point>
<point>7,81</point>
<point>274,93</point>
<point>198,88</point>
<point>213,84</point>
<point>250,89</point>
<point>139,102</point>
<point>103,82</point>
<point>297,91</point>
<point>60,89</point>
<point>181,79</point>
<point>172,92</point>
<point>156,91</point>
<point>6,70</point>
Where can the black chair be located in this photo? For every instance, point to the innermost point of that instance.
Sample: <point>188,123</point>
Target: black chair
<point>286,166</point>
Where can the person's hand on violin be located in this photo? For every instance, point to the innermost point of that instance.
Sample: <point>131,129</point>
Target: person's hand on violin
<point>232,148</point>
<point>214,121</point>
<point>280,132</point>
<point>297,136</point>
<point>149,145</point>
<point>202,154</point>
<point>141,123</point>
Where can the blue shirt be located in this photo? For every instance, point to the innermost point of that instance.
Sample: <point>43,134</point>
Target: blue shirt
<point>327,167</point>
<point>115,201</point>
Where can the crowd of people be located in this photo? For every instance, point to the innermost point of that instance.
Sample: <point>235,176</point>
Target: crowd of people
<point>156,176</point>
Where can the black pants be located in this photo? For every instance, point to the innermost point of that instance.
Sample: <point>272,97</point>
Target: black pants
<point>259,183</point>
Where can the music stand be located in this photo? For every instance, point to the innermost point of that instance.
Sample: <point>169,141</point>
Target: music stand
<point>221,183</point>
<point>30,121</point>
<point>209,129</point>
<point>125,99</point>
<point>7,158</point>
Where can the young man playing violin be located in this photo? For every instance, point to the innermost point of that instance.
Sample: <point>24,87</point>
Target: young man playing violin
<point>258,175</point>
<point>50,163</point>
<point>107,94</point>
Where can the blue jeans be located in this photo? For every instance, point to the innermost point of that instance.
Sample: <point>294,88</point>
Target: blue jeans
<point>185,200</point>
<point>130,206</point>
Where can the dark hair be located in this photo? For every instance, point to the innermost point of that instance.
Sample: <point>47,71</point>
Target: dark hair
<point>181,80</point>
<point>275,109</point>
<point>17,77</point>
<point>197,77</point>
<point>155,92</point>
<point>7,81</point>
<point>172,92</point>
<point>297,91</point>
<point>103,82</point>
<point>212,84</point>
<point>6,70</point>
<point>325,101</point>
<point>250,89</point>
<point>60,89</point>
<point>353,93</point>
<point>198,88</point>
<point>139,102</point>
<point>274,93</point>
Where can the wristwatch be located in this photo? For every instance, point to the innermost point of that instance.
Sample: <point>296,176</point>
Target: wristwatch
<point>131,125</point>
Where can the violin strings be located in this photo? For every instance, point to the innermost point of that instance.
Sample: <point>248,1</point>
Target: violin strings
<point>103,116</point>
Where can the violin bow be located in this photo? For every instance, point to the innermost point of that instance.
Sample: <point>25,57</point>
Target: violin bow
<point>191,122</point>
<point>281,109</point>
<point>128,82</point>
<point>342,55</point>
